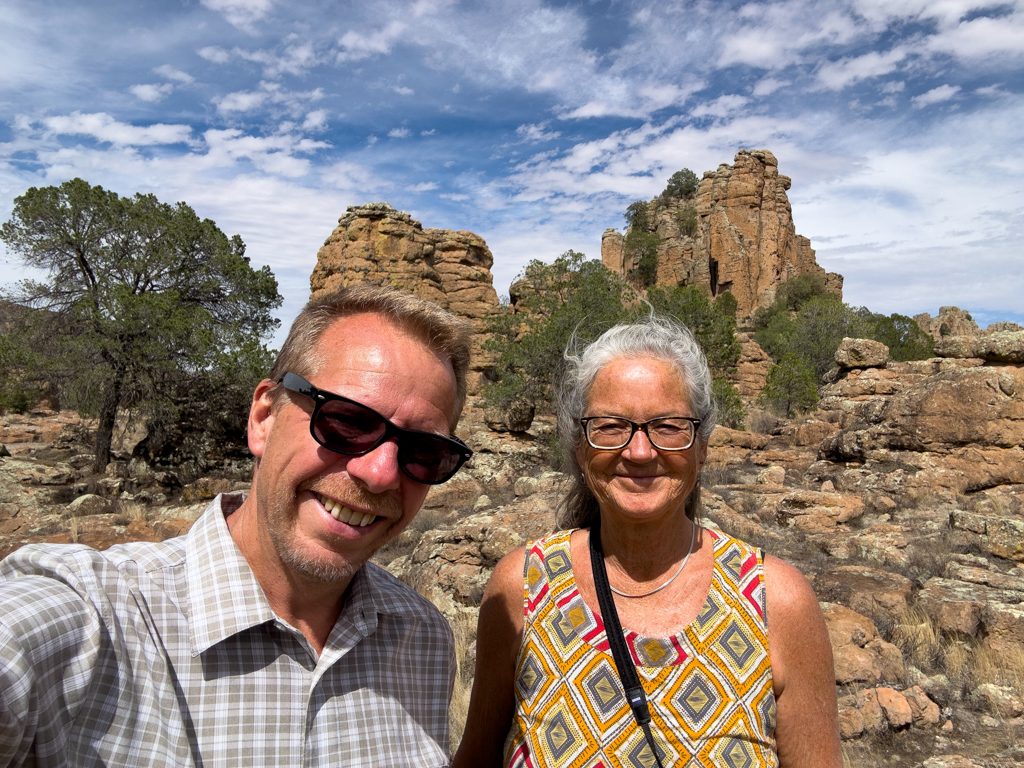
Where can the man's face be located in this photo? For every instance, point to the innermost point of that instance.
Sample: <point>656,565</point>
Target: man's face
<point>298,483</point>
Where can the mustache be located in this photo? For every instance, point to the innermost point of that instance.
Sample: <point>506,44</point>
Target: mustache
<point>351,494</point>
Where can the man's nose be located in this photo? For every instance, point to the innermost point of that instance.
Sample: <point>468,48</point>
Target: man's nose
<point>377,470</point>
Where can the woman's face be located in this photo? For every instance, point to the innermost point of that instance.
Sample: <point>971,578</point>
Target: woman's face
<point>639,482</point>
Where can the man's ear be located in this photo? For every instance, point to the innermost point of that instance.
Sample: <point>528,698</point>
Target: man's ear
<point>261,417</point>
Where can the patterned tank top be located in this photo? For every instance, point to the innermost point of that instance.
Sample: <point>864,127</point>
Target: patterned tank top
<point>709,687</point>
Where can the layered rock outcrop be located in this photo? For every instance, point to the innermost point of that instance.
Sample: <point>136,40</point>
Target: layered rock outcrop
<point>743,239</point>
<point>376,244</point>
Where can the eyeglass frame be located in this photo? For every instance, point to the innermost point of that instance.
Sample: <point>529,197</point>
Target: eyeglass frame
<point>639,426</point>
<point>295,383</point>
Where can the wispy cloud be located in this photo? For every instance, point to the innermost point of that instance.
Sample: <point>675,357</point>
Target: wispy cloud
<point>169,72</point>
<point>268,93</point>
<point>150,92</point>
<point>935,96</point>
<point>241,13</point>
<point>103,127</point>
<point>356,46</point>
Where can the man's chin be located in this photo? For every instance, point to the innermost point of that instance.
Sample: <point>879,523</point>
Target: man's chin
<point>320,569</point>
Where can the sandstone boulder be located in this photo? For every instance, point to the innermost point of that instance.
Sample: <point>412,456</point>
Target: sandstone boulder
<point>951,321</point>
<point>923,710</point>
<point>995,348</point>
<point>813,511</point>
<point>861,353</point>
<point>450,566</point>
<point>997,699</point>
<point>744,242</point>
<point>861,656</point>
<point>89,504</point>
<point>875,593</point>
<point>517,416</point>
<point>376,244</point>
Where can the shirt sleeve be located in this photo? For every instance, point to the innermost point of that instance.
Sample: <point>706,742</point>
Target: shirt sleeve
<point>49,640</point>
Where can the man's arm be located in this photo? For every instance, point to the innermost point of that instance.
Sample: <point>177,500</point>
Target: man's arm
<point>807,729</point>
<point>48,647</point>
<point>499,635</point>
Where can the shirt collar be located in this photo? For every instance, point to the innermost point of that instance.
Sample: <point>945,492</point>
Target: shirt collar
<point>224,597</point>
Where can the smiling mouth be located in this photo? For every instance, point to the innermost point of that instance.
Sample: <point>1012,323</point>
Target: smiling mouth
<point>346,514</point>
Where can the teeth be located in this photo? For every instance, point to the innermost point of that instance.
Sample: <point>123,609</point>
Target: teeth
<point>345,514</point>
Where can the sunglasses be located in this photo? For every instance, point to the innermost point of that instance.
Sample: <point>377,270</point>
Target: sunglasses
<point>351,429</point>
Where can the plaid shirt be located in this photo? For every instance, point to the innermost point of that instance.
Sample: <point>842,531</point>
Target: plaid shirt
<point>169,654</point>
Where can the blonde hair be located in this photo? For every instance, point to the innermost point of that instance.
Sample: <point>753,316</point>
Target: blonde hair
<point>439,329</point>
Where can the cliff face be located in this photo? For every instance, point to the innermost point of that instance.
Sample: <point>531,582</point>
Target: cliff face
<point>744,240</point>
<point>374,243</point>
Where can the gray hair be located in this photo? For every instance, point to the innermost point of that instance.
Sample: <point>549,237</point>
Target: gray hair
<point>655,336</point>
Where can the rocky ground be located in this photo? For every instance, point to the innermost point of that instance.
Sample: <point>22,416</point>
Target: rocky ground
<point>901,498</point>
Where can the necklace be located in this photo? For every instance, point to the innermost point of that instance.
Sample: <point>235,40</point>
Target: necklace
<point>693,532</point>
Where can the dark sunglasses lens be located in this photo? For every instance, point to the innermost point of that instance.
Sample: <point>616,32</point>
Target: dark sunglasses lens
<point>348,427</point>
<point>428,459</point>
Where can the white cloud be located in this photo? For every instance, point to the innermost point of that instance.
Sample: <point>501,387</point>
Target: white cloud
<point>296,59</point>
<point>240,13</point>
<point>215,54</point>
<point>402,90</point>
<point>272,154</point>
<point>169,72</point>
<point>315,120</point>
<point>768,85</point>
<point>991,90</point>
<point>455,197</point>
<point>357,46</point>
<point>837,75</point>
<point>268,93</point>
<point>398,133</point>
<point>723,106</point>
<point>981,38</point>
<point>151,93</point>
<point>935,96</point>
<point>431,132</point>
<point>103,127</point>
<point>426,186</point>
<point>536,133</point>
<point>896,86</point>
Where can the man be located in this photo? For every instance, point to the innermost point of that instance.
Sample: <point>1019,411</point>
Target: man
<point>263,637</point>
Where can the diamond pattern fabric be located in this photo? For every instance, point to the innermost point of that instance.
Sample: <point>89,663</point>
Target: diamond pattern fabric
<point>709,686</point>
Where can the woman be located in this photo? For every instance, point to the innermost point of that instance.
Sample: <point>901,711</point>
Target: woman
<point>635,415</point>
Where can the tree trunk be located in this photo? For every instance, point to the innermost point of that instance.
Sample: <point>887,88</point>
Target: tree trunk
<point>105,429</point>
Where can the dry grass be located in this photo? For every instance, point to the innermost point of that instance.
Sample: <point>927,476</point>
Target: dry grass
<point>133,511</point>
<point>1005,668</point>
<point>921,642</point>
<point>761,422</point>
<point>73,529</point>
<point>464,628</point>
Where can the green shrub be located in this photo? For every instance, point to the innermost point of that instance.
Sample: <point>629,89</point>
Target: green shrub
<point>553,302</point>
<point>682,184</point>
<point>641,246</point>
<point>790,387</point>
<point>715,331</point>
<point>687,220</point>
<point>731,412</point>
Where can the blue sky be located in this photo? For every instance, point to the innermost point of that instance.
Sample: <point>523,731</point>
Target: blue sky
<point>534,124</point>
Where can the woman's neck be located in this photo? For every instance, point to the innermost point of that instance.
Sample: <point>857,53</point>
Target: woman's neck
<point>645,552</point>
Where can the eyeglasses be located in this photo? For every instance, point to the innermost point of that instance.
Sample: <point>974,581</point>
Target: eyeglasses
<point>610,433</point>
<point>352,429</point>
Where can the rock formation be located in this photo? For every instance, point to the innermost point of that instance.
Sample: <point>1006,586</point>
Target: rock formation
<point>953,321</point>
<point>376,244</point>
<point>744,240</point>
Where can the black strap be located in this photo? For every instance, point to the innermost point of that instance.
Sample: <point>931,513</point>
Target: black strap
<point>623,661</point>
